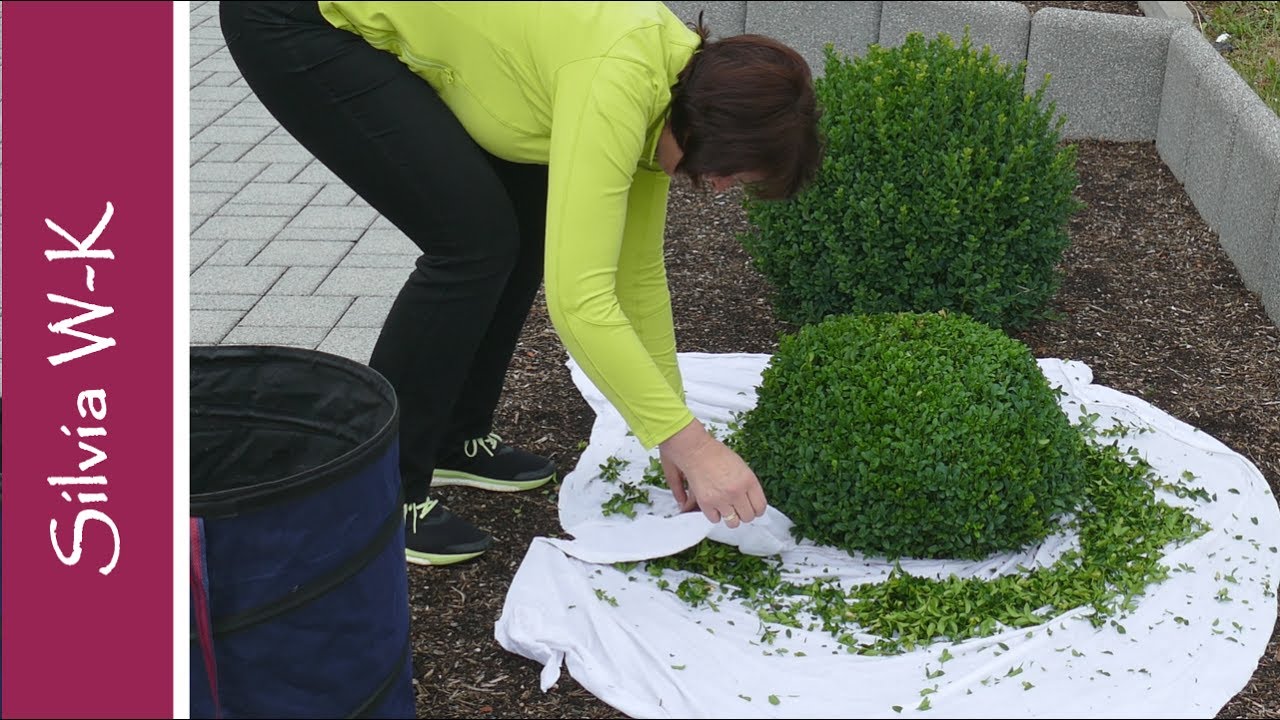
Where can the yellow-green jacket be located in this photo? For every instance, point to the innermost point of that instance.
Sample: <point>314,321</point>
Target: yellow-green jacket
<point>583,87</point>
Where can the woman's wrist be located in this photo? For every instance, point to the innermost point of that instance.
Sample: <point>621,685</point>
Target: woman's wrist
<point>687,441</point>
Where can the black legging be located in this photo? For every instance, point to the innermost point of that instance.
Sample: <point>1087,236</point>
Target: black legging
<point>479,220</point>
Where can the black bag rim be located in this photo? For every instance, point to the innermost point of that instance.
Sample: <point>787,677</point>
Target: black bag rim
<point>238,501</point>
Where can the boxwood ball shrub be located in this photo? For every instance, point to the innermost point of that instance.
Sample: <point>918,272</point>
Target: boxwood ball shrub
<point>944,186</point>
<point>912,435</point>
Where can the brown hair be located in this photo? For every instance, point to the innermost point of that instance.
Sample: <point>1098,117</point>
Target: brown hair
<point>746,104</point>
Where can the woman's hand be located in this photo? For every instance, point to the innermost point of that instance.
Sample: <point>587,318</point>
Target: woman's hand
<point>706,474</point>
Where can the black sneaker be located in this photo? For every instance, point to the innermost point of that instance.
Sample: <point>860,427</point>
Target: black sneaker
<point>435,536</point>
<point>490,464</point>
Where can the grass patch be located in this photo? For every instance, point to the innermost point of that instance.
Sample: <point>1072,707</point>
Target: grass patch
<point>1254,28</point>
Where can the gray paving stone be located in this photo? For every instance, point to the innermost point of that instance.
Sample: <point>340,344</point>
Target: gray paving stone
<point>297,253</point>
<point>200,150</point>
<point>223,301</point>
<point>239,228</point>
<point>238,134</point>
<point>302,337</point>
<point>201,52</point>
<point>231,187</point>
<point>353,343</point>
<point>228,152</point>
<point>201,250</point>
<point>280,172</point>
<point>209,171</point>
<point>343,234</point>
<point>254,280</point>
<point>230,121</point>
<point>292,311</point>
<point>206,204</point>
<point>211,104</point>
<point>381,223</point>
<point>277,193</point>
<point>220,78</point>
<point>379,260</point>
<point>211,94</point>
<point>266,152</point>
<point>207,33</point>
<point>237,253</point>
<point>280,136</point>
<point>367,312</point>
<point>333,217</point>
<point>300,281</point>
<point>315,172</point>
<point>378,240</point>
<point>250,108</point>
<point>233,209</point>
<point>334,195</point>
<point>201,115</point>
<point>351,282</point>
<point>207,37</point>
<point>208,327</point>
<point>218,62</point>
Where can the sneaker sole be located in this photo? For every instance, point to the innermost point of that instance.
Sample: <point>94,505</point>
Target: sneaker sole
<point>417,558</point>
<point>451,477</point>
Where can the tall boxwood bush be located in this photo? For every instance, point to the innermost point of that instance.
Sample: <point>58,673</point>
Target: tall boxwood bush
<point>944,186</point>
<point>912,435</point>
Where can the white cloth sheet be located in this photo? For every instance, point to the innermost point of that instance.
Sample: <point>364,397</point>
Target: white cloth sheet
<point>651,655</point>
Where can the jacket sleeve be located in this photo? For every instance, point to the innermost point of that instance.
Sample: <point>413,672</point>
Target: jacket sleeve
<point>600,117</point>
<point>642,274</point>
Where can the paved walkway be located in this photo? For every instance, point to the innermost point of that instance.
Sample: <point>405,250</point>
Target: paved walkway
<point>282,252</point>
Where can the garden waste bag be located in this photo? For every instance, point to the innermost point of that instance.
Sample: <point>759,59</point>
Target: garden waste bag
<point>299,590</point>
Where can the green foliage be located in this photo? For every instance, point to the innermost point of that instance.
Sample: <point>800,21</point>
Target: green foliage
<point>630,494</point>
<point>944,186</point>
<point>1123,535</point>
<point>912,435</point>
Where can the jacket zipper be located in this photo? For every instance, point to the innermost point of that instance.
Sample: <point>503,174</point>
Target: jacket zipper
<point>385,42</point>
